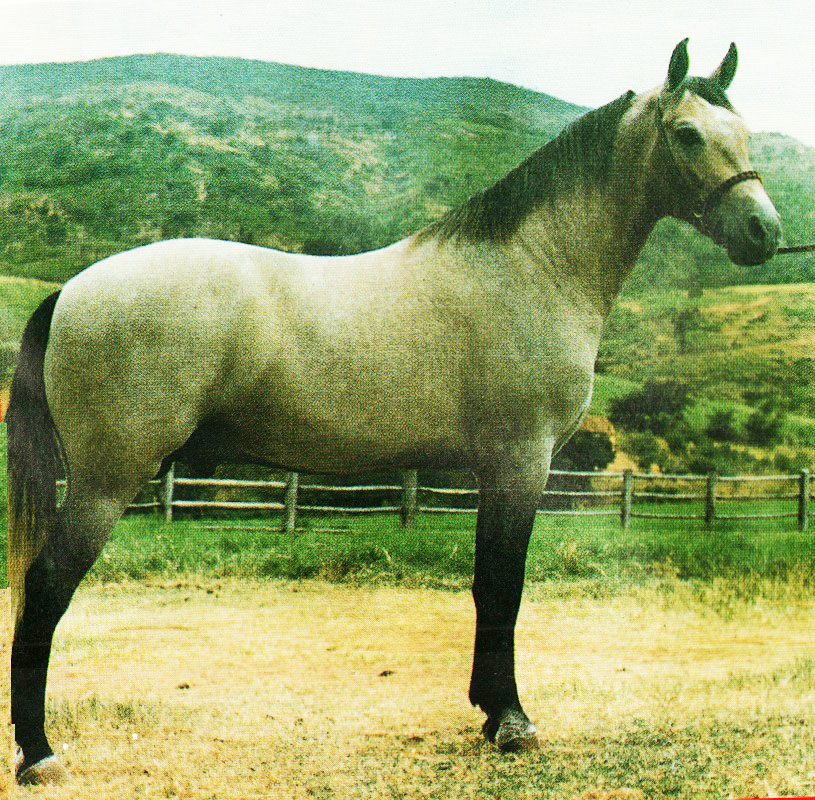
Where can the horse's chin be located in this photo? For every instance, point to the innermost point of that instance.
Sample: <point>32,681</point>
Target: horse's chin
<point>749,257</point>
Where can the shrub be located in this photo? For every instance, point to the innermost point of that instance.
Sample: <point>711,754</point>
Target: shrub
<point>646,449</point>
<point>655,407</point>
<point>722,459</point>
<point>585,451</point>
<point>788,462</point>
<point>763,426</point>
<point>721,428</point>
<point>680,435</point>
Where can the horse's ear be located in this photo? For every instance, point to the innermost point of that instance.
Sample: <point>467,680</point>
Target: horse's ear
<point>678,68</point>
<point>723,74</point>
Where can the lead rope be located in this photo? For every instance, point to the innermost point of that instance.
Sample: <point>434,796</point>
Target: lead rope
<point>801,248</point>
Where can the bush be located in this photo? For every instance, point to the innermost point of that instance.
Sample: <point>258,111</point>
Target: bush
<point>789,462</point>
<point>680,435</point>
<point>763,426</point>
<point>585,451</point>
<point>721,428</point>
<point>656,407</point>
<point>647,450</point>
<point>722,459</point>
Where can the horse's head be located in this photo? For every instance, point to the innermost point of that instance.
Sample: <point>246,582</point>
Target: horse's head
<point>703,149</point>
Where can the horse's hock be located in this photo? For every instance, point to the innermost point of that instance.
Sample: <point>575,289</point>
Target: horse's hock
<point>6,730</point>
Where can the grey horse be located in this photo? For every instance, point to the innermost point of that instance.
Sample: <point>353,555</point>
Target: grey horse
<point>469,344</point>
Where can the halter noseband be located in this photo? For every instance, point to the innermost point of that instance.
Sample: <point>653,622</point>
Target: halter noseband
<point>723,188</point>
<point>715,196</point>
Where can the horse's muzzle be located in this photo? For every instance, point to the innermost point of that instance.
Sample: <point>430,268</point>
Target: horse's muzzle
<point>755,237</point>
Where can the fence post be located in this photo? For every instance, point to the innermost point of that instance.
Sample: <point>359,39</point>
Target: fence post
<point>627,498</point>
<point>410,486</point>
<point>167,484</point>
<point>710,500</point>
<point>803,500</point>
<point>290,502</point>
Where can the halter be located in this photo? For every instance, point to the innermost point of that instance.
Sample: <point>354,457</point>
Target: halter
<point>714,197</point>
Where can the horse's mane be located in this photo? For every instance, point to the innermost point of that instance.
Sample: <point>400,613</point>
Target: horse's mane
<point>580,153</point>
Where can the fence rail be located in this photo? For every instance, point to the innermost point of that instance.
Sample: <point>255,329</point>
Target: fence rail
<point>621,493</point>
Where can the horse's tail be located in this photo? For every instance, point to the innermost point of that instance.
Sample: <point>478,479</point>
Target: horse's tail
<point>35,456</point>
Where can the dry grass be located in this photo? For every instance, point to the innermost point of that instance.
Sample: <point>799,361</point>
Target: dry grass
<point>277,690</point>
<point>6,738</point>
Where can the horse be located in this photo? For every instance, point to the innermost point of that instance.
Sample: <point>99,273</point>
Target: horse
<point>469,344</point>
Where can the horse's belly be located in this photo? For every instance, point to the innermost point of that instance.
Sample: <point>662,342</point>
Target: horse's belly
<point>325,437</point>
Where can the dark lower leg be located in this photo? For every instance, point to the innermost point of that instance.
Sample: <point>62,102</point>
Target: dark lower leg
<point>502,537</point>
<point>50,583</point>
<point>45,604</point>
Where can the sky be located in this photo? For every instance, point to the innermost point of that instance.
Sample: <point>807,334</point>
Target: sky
<point>584,52</point>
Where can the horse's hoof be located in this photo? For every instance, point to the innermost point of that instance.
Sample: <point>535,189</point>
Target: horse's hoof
<point>46,770</point>
<point>512,732</point>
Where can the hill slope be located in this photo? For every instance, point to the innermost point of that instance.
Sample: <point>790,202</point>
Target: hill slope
<point>100,156</point>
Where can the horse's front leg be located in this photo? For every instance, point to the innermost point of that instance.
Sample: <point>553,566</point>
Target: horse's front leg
<point>506,512</point>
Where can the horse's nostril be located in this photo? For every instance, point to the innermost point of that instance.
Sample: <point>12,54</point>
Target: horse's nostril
<point>756,229</point>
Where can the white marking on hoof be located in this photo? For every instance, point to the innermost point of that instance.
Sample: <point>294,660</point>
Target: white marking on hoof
<point>46,770</point>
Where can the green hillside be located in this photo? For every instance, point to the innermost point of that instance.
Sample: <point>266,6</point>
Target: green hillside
<point>742,344</point>
<point>746,355</point>
<point>100,156</point>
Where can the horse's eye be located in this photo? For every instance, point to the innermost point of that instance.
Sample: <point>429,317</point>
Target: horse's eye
<point>689,136</point>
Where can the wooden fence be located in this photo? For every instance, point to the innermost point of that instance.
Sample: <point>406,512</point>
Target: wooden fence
<point>627,494</point>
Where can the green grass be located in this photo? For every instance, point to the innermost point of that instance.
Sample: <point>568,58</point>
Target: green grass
<point>608,388</point>
<point>592,553</point>
<point>18,299</point>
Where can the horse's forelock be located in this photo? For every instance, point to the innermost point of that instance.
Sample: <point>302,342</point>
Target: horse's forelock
<point>708,89</point>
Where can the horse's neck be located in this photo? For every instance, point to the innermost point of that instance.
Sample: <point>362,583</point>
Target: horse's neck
<point>587,241</point>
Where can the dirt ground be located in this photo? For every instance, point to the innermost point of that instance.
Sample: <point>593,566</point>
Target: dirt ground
<point>310,690</point>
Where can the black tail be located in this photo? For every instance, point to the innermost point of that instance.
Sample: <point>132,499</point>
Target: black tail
<point>34,452</point>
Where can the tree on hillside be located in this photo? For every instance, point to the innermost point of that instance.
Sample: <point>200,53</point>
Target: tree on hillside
<point>764,425</point>
<point>585,451</point>
<point>656,407</point>
<point>721,427</point>
<point>686,323</point>
<point>647,450</point>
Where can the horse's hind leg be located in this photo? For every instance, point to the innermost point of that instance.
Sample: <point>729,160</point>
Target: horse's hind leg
<point>81,528</point>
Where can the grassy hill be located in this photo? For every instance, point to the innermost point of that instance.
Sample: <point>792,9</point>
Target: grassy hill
<point>739,349</point>
<point>100,156</point>
<point>737,344</point>
<point>107,155</point>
